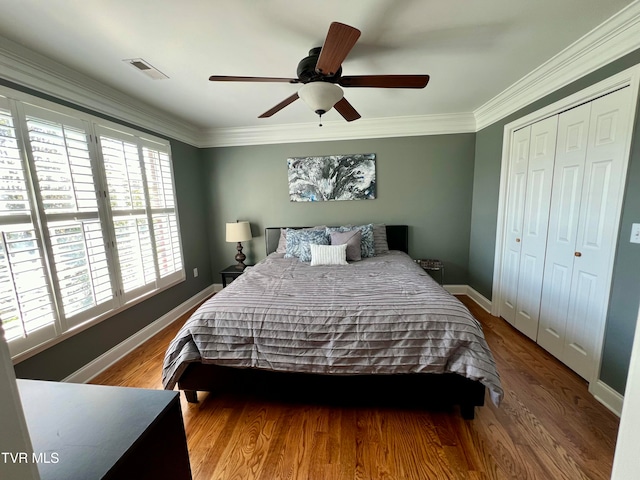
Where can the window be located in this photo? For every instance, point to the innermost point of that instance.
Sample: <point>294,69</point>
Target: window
<point>88,221</point>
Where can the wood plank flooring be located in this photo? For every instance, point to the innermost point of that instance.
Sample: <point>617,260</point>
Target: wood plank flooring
<point>547,427</point>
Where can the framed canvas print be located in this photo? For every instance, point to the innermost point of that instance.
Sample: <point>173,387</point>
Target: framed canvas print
<point>333,177</point>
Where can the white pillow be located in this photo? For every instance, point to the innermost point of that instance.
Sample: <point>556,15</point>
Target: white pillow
<point>328,254</point>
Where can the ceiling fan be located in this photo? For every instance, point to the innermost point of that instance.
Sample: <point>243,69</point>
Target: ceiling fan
<point>320,73</point>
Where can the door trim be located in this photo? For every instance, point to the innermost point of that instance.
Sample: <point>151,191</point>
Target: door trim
<point>627,78</point>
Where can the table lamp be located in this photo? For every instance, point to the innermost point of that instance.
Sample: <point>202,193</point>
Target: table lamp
<point>239,232</point>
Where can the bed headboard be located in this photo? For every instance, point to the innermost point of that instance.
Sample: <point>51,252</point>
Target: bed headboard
<point>397,237</point>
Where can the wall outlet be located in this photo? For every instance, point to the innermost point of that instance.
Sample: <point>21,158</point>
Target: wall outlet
<point>635,233</point>
<point>195,272</point>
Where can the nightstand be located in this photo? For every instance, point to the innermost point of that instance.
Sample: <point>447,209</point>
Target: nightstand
<point>230,273</point>
<point>432,265</point>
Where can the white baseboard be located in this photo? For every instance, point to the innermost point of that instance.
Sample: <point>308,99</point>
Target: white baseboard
<point>607,396</point>
<point>479,299</point>
<point>104,361</point>
<point>456,289</point>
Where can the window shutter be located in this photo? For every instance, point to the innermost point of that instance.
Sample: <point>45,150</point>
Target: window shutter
<point>162,201</point>
<point>66,183</point>
<point>26,302</point>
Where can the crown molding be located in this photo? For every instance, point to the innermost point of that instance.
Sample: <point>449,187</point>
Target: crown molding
<point>33,70</point>
<point>614,38</point>
<point>611,40</point>
<point>409,126</point>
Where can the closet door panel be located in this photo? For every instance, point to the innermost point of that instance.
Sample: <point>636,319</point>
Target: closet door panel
<point>535,224</point>
<point>518,162</point>
<point>597,229</point>
<point>571,153</point>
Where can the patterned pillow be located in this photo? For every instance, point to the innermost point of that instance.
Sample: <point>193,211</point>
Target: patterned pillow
<point>352,239</point>
<point>298,242</point>
<point>328,254</point>
<point>366,244</point>
<point>282,241</point>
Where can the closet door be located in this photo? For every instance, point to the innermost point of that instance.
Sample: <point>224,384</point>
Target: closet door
<point>571,153</point>
<point>518,163</point>
<point>597,229</point>
<point>584,223</point>
<point>536,219</point>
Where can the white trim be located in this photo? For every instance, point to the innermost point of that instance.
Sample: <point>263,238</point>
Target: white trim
<point>107,359</point>
<point>614,38</point>
<point>26,67</point>
<point>480,299</point>
<point>456,289</point>
<point>409,126</point>
<point>607,396</point>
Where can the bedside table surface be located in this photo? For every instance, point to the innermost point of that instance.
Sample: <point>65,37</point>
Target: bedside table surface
<point>231,269</point>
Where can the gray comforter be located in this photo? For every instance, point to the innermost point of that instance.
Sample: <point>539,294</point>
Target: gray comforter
<point>382,315</point>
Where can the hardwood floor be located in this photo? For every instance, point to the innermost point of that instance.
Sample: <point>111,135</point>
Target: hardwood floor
<point>547,427</point>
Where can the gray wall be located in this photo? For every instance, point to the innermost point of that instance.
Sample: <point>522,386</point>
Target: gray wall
<point>424,182</point>
<point>61,360</point>
<point>625,293</point>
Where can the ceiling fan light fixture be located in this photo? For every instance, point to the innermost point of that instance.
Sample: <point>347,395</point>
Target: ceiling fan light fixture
<point>320,96</point>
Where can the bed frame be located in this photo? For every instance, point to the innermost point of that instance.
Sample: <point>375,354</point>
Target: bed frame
<point>424,390</point>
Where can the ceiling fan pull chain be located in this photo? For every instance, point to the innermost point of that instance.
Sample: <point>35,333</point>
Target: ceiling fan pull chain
<point>320,115</point>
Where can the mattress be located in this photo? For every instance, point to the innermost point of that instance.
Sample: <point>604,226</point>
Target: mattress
<point>381,315</point>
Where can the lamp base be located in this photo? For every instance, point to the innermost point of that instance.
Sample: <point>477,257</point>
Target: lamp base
<point>240,257</point>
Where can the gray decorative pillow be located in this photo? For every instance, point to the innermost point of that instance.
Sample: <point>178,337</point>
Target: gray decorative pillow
<point>366,244</point>
<point>282,242</point>
<point>298,242</point>
<point>380,244</point>
<point>352,239</point>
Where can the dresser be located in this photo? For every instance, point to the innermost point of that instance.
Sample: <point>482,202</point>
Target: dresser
<point>88,432</point>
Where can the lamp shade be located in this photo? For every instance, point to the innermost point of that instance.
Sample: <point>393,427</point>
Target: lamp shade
<point>238,232</point>
<point>320,96</point>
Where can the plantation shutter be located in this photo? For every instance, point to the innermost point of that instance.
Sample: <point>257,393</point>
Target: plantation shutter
<point>66,184</point>
<point>26,302</point>
<point>141,198</point>
<point>163,211</point>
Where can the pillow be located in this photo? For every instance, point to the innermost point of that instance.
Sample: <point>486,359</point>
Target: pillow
<point>328,254</point>
<point>298,242</point>
<point>282,241</point>
<point>366,243</point>
<point>352,240</point>
<point>380,244</point>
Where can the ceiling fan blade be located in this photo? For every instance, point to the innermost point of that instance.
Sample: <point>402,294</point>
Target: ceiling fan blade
<point>345,109</point>
<point>385,81</point>
<point>280,106</point>
<point>224,78</point>
<point>340,40</point>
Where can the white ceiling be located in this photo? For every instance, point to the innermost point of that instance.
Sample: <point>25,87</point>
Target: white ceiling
<point>472,49</point>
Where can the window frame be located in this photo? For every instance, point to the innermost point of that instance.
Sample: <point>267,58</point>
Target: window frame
<point>20,105</point>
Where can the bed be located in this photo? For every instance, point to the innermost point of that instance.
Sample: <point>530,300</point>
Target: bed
<point>381,323</point>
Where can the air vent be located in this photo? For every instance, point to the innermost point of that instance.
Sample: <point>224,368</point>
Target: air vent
<point>146,68</point>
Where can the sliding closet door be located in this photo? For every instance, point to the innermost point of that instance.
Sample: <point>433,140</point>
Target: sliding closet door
<point>571,153</point>
<point>518,163</point>
<point>536,219</point>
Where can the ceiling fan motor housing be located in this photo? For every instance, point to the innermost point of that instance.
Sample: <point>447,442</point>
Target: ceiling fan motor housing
<point>307,69</point>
